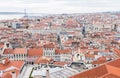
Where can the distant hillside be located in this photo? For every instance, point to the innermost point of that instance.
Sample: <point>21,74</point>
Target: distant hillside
<point>11,13</point>
<point>44,14</point>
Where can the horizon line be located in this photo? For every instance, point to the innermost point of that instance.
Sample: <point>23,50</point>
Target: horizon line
<point>15,12</point>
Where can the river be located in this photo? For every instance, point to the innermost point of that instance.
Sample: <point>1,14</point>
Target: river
<point>10,16</point>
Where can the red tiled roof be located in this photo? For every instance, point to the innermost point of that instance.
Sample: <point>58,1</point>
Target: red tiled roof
<point>115,63</point>
<point>20,51</point>
<point>7,75</point>
<point>97,72</point>
<point>111,76</point>
<point>108,70</point>
<point>113,70</point>
<point>17,64</point>
<point>90,55</point>
<point>35,52</point>
<point>8,51</point>
<point>65,51</point>
<point>117,51</point>
<point>50,45</point>
<point>100,60</point>
<point>1,45</point>
<point>43,60</point>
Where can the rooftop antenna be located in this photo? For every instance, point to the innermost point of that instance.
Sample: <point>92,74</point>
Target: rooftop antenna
<point>25,13</point>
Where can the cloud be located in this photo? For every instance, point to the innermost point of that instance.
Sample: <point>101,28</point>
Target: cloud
<point>60,6</point>
<point>92,3</point>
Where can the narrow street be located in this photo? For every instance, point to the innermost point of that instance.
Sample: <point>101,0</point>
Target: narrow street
<point>26,72</point>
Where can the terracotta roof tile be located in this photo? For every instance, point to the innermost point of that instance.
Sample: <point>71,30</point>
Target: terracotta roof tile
<point>97,72</point>
<point>17,64</point>
<point>1,45</point>
<point>7,75</point>
<point>64,51</point>
<point>43,60</point>
<point>115,63</point>
<point>8,51</point>
<point>50,45</point>
<point>111,76</point>
<point>117,51</point>
<point>100,60</point>
<point>108,70</point>
<point>35,52</point>
<point>89,55</point>
<point>20,51</point>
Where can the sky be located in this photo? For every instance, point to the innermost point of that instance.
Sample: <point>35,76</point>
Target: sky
<point>59,6</point>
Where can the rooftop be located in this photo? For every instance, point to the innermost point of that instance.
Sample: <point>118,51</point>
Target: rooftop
<point>35,52</point>
<point>110,69</point>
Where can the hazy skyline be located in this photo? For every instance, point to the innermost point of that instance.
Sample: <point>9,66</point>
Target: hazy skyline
<point>59,6</point>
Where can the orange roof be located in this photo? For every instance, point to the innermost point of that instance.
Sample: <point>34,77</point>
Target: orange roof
<point>20,51</point>
<point>5,61</point>
<point>8,51</point>
<point>35,52</point>
<point>108,70</point>
<point>113,70</point>
<point>100,60</point>
<point>111,76</point>
<point>43,60</point>
<point>92,73</point>
<point>7,75</point>
<point>17,64</point>
<point>1,45</point>
<point>50,45</point>
<point>115,63</point>
<point>90,55</point>
<point>117,51</point>
<point>65,51</point>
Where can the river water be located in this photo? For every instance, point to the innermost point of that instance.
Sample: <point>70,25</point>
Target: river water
<point>13,16</point>
<point>10,16</point>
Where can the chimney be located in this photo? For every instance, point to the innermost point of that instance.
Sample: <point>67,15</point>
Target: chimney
<point>47,73</point>
<point>3,61</point>
<point>14,74</point>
